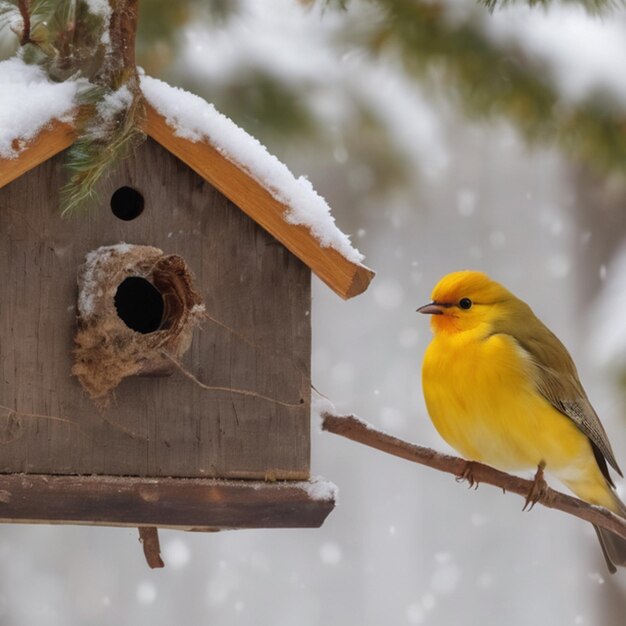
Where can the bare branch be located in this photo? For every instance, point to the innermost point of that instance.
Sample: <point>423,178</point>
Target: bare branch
<point>352,427</point>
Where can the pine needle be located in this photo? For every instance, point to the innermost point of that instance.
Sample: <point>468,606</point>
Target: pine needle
<point>105,137</point>
<point>593,7</point>
<point>71,42</point>
<point>491,80</point>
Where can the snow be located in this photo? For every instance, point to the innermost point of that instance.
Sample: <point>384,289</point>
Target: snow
<point>584,54</point>
<point>176,553</point>
<point>558,265</point>
<point>416,612</point>
<point>103,9</point>
<point>93,261</point>
<point>330,553</point>
<point>408,337</point>
<point>343,372</point>
<point>190,116</point>
<point>445,578</point>
<point>321,405</point>
<point>315,59</point>
<point>394,101</point>
<point>596,577</point>
<point>466,202</point>
<point>320,489</point>
<point>146,592</point>
<point>29,103</point>
<point>99,7</point>
<point>114,102</point>
<point>194,119</point>
<point>392,419</point>
<point>222,585</point>
<point>389,294</point>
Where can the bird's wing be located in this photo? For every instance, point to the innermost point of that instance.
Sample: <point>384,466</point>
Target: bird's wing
<point>557,380</point>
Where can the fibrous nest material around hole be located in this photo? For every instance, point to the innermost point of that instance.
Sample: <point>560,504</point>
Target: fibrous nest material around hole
<point>106,349</point>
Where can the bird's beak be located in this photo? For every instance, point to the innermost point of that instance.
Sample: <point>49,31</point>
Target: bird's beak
<point>431,308</point>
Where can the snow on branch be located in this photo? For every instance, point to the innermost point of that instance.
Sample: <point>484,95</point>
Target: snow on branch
<point>354,428</point>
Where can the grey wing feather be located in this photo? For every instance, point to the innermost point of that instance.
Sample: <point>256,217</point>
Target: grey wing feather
<point>557,380</point>
<point>577,407</point>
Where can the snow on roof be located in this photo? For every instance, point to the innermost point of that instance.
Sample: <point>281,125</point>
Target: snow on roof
<point>189,116</point>
<point>194,119</point>
<point>29,102</point>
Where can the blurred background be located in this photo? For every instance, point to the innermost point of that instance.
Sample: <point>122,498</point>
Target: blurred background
<point>445,137</point>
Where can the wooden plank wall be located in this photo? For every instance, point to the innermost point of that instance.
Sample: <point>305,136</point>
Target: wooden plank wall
<point>257,337</point>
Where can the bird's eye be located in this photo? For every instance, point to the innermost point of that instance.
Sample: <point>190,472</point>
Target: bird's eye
<point>465,303</point>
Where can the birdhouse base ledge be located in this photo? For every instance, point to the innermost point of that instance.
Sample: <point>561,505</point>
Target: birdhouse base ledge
<point>197,504</point>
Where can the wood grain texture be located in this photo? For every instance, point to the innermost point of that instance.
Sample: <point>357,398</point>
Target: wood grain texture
<point>256,337</point>
<point>346,278</point>
<point>185,504</point>
<point>50,141</point>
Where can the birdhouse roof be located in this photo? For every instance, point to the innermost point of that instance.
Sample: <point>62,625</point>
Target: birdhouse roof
<point>36,122</point>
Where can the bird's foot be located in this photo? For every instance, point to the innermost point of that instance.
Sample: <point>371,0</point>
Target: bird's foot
<point>468,475</point>
<point>538,489</point>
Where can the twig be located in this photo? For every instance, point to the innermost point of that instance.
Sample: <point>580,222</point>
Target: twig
<point>249,342</point>
<point>12,412</point>
<point>24,8</point>
<point>149,537</point>
<point>352,427</point>
<point>241,392</point>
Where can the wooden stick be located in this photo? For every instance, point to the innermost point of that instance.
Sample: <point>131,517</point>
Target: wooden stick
<point>352,427</point>
<point>149,537</point>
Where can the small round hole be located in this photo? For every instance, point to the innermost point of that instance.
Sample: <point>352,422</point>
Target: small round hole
<point>127,203</point>
<point>139,305</point>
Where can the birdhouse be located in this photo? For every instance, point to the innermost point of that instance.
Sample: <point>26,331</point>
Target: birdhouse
<point>155,349</point>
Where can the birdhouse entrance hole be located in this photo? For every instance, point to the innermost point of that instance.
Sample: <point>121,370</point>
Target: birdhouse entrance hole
<point>137,310</point>
<point>139,305</point>
<point>127,203</point>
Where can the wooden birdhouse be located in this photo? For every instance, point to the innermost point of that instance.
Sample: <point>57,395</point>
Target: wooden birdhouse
<point>155,349</point>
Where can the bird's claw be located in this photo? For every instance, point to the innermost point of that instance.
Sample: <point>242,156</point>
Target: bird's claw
<point>468,475</point>
<point>538,489</point>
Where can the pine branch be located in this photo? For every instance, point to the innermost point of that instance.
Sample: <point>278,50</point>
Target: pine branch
<point>353,428</point>
<point>108,130</point>
<point>109,126</point>
<point>491,80</point>
<point>74,39</point>
<point>593,7</point>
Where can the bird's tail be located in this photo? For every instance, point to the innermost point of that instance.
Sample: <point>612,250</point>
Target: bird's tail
<point>613,546</point>
<point>599,491</point>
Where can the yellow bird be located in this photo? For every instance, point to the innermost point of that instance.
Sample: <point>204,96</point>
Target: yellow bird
<point>502,389</point>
